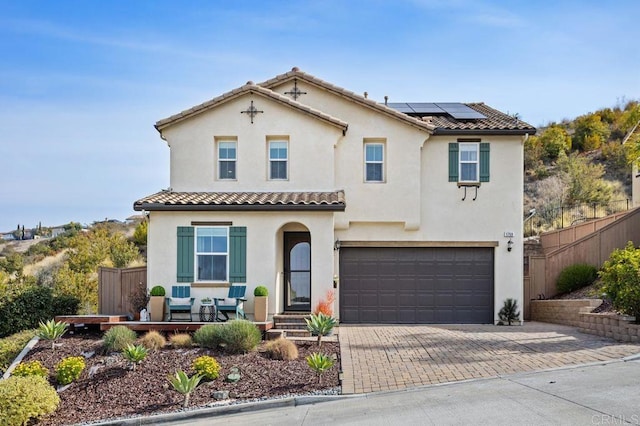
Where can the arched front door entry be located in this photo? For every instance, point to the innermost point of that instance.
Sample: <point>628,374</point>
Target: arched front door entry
<point>297,269</point>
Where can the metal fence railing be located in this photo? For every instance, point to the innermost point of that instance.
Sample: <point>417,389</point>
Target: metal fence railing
<point>549,218</point>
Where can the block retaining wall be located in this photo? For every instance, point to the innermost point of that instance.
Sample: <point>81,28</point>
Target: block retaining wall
<point>577,313</point>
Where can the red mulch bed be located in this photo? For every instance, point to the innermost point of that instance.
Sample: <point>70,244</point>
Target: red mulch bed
<point>115,391</point>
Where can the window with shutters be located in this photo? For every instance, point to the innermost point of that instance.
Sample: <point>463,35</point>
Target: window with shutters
<point>212,254</point>
<point>468,158</point>
<point>469,162</point>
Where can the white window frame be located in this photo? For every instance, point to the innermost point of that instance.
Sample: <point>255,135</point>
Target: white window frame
<point>476,149</point>
<point>227,160</point>
<point>381,162</point>
<point>211,253</point>
<point>278,160</point>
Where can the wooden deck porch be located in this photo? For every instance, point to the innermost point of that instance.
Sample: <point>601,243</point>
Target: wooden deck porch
<point>108,321</point>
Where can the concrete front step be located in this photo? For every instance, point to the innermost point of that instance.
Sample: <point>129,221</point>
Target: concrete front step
<point>291,325</point>
<point>286,333</point>
<point>290,321</point>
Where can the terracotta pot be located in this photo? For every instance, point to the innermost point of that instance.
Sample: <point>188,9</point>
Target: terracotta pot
<point>260,308</point>
<point>156,306</point>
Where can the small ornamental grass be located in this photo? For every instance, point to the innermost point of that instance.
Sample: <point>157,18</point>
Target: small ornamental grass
<point>52,330</point>
<point>184,384</point>
<point>116,339</point>
<point>23,399</point>
<point>575,277</point>
<point>135,354</point>
<point>69,369</point>
<point>153,340</point>
<point>281,349</point>
<point>240,336</point>
<point>207,367</point>
<point>31,368</point>
<point>320,363</point>
<point>181,340</point>
<point>208,336</point>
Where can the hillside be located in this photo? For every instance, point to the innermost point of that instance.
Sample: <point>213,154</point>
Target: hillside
<point>580,161</point>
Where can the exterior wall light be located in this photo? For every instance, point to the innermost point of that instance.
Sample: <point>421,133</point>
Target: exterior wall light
<point>336,245</point>
<point>509,244</point>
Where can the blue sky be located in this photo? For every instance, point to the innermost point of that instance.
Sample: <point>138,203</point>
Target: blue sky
<point>83,82</point>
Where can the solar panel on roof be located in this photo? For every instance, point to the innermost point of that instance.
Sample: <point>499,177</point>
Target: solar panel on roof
<point>401,107</point>
<point>425,108</point>
<point>457,110</point>
<point>460,111</point>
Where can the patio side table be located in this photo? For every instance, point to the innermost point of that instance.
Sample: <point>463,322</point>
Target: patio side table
<point>207,312</point>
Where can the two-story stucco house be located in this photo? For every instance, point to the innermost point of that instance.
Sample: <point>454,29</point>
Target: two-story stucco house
<point>412,211</point>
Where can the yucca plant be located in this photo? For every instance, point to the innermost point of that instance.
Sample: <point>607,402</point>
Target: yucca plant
<point>185,384</point>
<point>52,330</point>
<point>320,363</point>
<point>509,312</point>
<point>135,354</point>
<point>320,325</point>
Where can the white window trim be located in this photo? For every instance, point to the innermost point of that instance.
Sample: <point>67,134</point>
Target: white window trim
<point>285,160</point>
<point>226,160</point>
<point>476,146</point>
<point>197,253</point>
<point>382,144</point>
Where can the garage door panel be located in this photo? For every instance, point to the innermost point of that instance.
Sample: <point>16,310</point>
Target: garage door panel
<point>416,285</point>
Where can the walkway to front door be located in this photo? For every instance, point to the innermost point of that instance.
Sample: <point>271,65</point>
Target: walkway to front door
<point>386,357</point>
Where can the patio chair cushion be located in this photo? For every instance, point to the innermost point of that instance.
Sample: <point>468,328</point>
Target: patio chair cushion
<point>176,301</point>
<point>229,301</point>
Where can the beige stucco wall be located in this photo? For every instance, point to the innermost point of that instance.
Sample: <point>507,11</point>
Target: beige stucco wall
<point>264,251</point>
<point>415,203</point>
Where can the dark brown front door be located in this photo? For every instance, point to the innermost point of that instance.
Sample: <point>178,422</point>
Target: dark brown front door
<point>297,271</point>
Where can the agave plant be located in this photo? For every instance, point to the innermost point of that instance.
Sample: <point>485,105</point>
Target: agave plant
<point>52,330</point>
<point>320,325</point>
<point>185,384</point>
<point>135,354</point>
<point>320,363</point>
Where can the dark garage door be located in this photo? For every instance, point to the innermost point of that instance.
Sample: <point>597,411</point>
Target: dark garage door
<point>406,285</point>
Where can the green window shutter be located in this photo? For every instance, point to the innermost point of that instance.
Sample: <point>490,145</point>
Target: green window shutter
<point>484,162</point>
<point>453,162</point>
<point>185,254</point>
<point>238,254</point>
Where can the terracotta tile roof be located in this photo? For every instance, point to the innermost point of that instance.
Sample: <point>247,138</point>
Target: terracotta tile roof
<point>495,122</point>
<point>369,103</point>
<point>168,200</point>
<point>253,89</point>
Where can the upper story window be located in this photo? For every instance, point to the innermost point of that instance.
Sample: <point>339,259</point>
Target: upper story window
<point>278,160</point>
<point>227,158</point>
<point>212,253</point>
<point>373,162</point>
<point>469,162</point>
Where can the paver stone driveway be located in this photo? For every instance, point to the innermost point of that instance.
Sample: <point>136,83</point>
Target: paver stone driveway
<point>391,357</point>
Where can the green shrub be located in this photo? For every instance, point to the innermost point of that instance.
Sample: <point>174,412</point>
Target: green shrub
<point>158,291</point>
<point>209,336</point>
<point>240,336</point>
<point>575,277</point>
<point>181,340</point>
<point>319,363</point>
<point>509,312</point>
<point>69,369</point>
<point>11,346</point>
<point>118,338</point>
<point>621,281</point>
<point>153,340</point>
<point>25,398</point>
<point>30,368</point>
<point>260,291</point>
<point>140,234</point>
<point>281,349</point>
<point>65,304</point>
<point>207,367</point>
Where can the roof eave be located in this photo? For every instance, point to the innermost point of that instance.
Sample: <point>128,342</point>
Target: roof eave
<point>519,132</point>
<point>238,207</point>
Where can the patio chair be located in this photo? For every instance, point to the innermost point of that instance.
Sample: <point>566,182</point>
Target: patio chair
<point>180,301</point>
<point>234,302</point>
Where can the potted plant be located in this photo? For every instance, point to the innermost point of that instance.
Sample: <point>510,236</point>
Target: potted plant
<point>157,303</point>
<point>138,298</point>
<point>261,303</point>
<point>205,300</point>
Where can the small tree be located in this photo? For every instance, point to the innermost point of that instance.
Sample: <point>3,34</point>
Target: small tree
<point>509,312</point>
<point>319,363</point>
<point>320,325</point>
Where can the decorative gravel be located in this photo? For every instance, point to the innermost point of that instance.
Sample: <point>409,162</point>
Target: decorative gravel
<point>110,389</point>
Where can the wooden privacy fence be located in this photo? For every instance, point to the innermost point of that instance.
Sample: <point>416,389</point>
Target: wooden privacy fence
<point>593,248</point>
<point>114,287</point>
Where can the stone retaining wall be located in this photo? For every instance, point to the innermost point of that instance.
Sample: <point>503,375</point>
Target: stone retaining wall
<point>577,313</point>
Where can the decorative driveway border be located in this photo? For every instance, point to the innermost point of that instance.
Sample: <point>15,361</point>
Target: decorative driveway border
<point>391,357</point>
